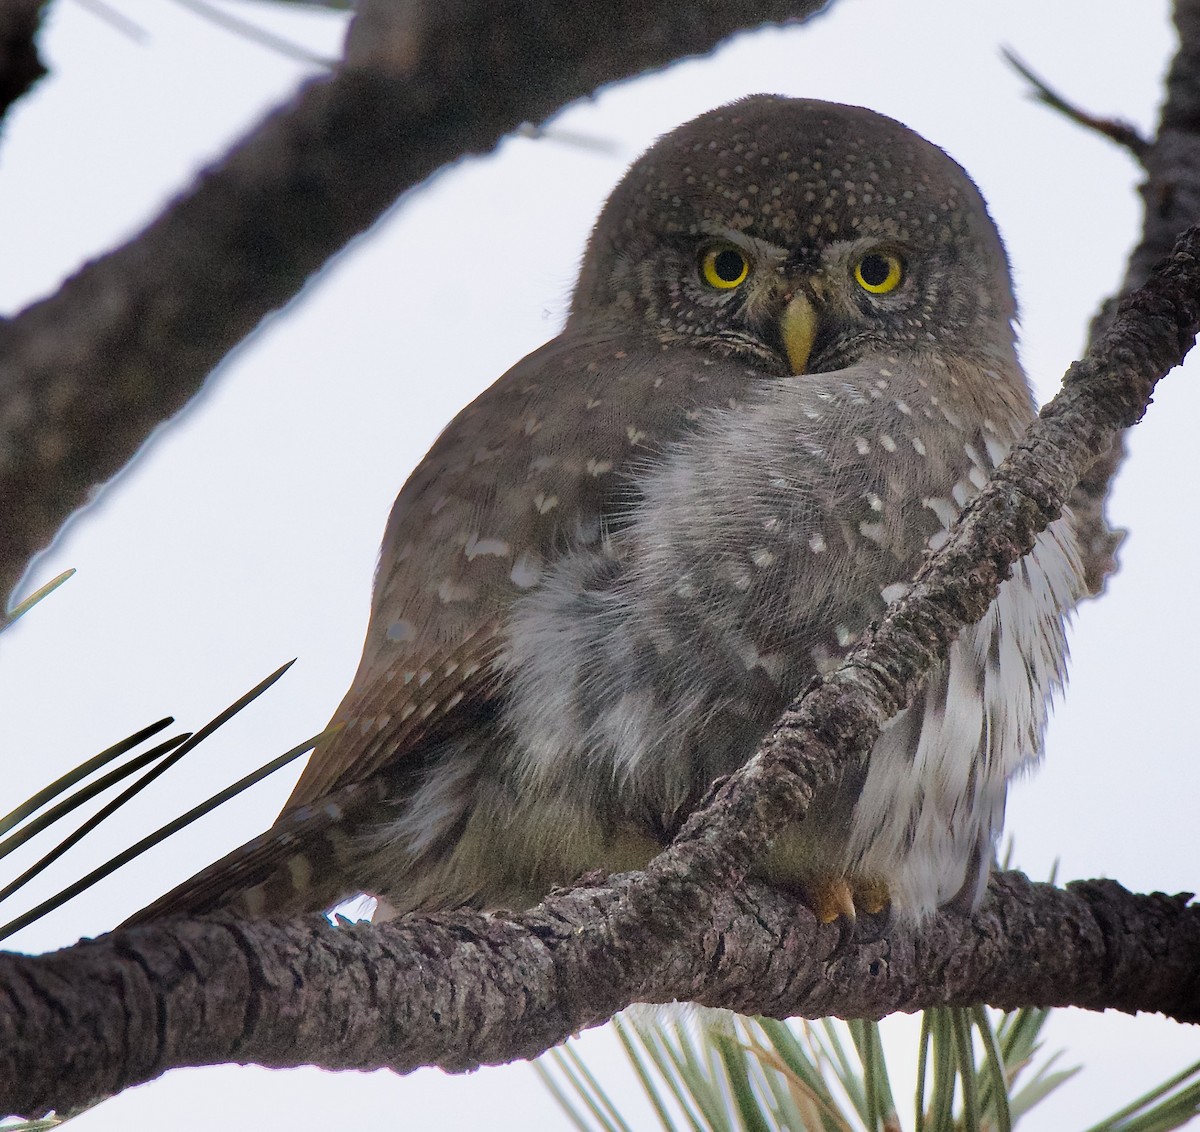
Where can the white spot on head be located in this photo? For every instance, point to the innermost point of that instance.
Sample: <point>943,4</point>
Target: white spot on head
<point>903,408</point>
<point>843,635</point>
<point>817,544</point>
<point>862,444</point>
<point>873,501</point>
<point>762,557</point>
<point>894,592</point>
<point>635,434</point>
<point>599,467</point>
<point>918,446</point>
<point>543,502</point>
<point>872,531</point>
<point>886,442</point>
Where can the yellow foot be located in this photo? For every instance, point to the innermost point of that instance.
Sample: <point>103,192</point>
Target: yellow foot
<point>830,898</point>
<point>871,896</point>
<point>833,898</point>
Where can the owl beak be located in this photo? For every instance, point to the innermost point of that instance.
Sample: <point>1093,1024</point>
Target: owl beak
<point>798,326</point>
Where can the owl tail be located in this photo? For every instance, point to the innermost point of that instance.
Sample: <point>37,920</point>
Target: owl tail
<point>298,865</point>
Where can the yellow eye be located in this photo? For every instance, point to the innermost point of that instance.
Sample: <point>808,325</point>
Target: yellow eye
<point>724,267</point>
<point>879,272</point>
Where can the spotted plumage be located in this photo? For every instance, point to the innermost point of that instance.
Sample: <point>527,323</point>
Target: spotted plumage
<point>789,364</point>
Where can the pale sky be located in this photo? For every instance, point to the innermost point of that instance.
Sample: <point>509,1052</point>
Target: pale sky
<point>246,533</point>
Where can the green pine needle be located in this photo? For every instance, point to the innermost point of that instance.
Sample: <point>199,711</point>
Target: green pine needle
<point>731,1074</point>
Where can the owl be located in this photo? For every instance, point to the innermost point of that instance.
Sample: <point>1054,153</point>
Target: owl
<point>789,364</point>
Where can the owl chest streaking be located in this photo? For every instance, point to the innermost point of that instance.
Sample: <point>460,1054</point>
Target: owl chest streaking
<point>788,366</point>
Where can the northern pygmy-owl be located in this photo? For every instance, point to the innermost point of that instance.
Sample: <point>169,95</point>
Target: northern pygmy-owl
<point>789,363</point>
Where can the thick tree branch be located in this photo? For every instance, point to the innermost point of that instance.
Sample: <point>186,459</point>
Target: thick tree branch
<point>88,373</point>
<point>197,993</point>
<point>464,988</point>
<point>1171,194</point>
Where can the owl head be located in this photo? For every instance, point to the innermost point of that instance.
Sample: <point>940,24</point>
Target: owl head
<point>799,235</point>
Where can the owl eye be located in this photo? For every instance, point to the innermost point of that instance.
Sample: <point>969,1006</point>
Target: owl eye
<point>724,267</point>
<point>879,272</point>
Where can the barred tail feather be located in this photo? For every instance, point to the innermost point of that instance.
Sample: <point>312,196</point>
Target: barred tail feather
<point>298,865</point>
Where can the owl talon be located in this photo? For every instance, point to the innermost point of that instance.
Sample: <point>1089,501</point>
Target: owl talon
<point>831,899</point>
<point>871,896</point>
<point>838,898</point>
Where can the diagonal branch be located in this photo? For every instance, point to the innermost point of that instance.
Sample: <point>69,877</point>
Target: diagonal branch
<point>464,988</point>
<point>1171,197</point>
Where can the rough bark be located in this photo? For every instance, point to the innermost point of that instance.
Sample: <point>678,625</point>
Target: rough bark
<point>1171,196</point>
<point>461,989</point>
<point>88,373</point>
<point>130,1006</point>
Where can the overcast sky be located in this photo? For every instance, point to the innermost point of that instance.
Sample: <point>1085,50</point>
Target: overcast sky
<point>246,533</point>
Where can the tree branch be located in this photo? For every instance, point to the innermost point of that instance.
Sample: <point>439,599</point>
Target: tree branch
<point>88,373</point>
<point>464,988</point>
<point>1171,195</point>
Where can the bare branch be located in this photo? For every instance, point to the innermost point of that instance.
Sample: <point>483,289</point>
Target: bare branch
<point>463,989</point>
<point>1171,193</point>
<point>1114,129</point>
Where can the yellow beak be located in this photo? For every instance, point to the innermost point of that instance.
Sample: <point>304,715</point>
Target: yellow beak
<point>798,326</point>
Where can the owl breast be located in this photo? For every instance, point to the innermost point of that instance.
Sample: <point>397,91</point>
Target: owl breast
<point>758,550</point>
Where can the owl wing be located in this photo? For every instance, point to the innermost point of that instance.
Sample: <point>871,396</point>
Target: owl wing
<point>539,464</point>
